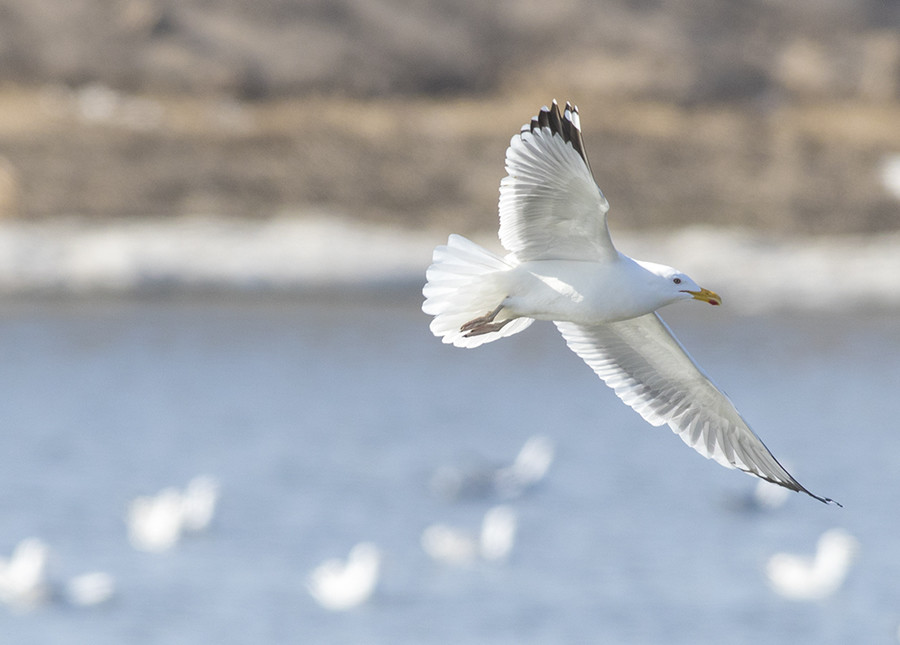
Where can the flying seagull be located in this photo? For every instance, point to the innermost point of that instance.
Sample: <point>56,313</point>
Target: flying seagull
<point>562,266</point>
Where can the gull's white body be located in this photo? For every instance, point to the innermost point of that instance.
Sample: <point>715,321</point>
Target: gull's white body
<point>582,291</point>
<point>562,266</point>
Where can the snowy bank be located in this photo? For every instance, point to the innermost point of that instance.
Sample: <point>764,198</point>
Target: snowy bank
<point>751,271</point>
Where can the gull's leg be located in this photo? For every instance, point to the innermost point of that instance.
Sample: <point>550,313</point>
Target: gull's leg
<point>484,324</point>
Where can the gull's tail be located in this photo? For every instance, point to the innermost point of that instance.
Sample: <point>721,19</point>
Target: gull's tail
<point>465,283</point>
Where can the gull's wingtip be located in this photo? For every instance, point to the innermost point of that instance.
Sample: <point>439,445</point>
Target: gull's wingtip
<point>824,500</point>
<point>566,124</point>
<point>789,482</point>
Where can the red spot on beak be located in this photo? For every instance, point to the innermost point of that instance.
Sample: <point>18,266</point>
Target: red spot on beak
<point>714,302</point>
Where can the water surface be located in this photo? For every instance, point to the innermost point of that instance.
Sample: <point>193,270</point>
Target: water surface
<point>324,418</point>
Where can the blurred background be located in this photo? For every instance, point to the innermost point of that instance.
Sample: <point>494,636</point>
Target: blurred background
<point>215,218</point>
<point>773,115</point>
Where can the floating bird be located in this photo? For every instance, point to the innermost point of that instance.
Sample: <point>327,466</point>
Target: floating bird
<point>198,503</point>
<point>338,585</point>
<point>156,523</point>
<point>562,266</point>
<point>498,533</point>
<point>506,482</point>
<point>803,578</point>
<point>25,583</point>
<point>529,468</point>
<point>457,547</point>
<point>23,577</point>
<point>768,496</point>
<point>449,545</point>
<point>764,497</point>
<point>90,589</point>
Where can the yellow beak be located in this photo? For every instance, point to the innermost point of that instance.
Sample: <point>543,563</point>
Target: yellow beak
<point>706,296</point>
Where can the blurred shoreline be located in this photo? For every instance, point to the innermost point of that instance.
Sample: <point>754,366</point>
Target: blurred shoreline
<point>775,115</point>
<point>784,166</point>
<point>316,253</point>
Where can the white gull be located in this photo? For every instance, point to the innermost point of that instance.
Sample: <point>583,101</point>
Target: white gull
<point>156,523</point>
<point>90,589</point>
<point>454,546</point>
<point>340,585</point>
<point>506,482</point>
<point>804,578</point>
<point>563,267</point>
<point>24,584</point>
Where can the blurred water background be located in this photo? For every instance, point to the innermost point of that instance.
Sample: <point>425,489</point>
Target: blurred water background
<point>214,224</point>
<point>324,418</point>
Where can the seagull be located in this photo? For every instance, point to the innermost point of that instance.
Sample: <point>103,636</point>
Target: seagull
<point>498,533</point>
<point>198,503</point>
<point>341,585</point>
<point>529,468</point>
<point>506,482</point>
<point>449,545</point>
<point>24,583</point>
<point>562,266</point>
<point>768,497</point>
<point>454,546</point>
<point>90,589</point>
<point>156,523</point>
<point>801,578</point>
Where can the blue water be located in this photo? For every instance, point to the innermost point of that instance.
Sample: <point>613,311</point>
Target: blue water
<point>324,417</point>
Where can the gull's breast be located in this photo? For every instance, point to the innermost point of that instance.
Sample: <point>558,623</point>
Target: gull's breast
<point>578,291</point>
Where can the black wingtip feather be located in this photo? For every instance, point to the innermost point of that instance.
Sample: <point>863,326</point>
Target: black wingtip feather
<point>563,124</point>
<point>802,489</point>
<point>824,500</point>
<point>790,484</point>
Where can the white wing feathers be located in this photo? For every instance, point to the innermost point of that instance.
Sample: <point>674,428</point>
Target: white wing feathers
<point>550,205</point>
<point>649,370</point>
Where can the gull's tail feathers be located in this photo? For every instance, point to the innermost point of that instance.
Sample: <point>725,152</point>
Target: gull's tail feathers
<point>465,282</point>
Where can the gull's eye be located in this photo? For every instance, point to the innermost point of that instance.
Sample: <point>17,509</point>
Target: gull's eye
<point>676,280</point>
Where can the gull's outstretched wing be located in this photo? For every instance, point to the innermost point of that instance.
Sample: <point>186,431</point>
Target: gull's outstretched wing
<point>650,371</point>
<point>550,205</point>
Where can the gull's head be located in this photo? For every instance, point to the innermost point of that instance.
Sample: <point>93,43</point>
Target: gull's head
<point>680,286</point>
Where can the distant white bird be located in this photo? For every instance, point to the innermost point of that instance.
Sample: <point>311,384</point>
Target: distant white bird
<point>23,578</point>
<point>90,589</point>
<point>156,523</point>
<point>498,533</point>
<point>505,483</point>
<point>338,585</point>
<point>449,545</point>
<point>454,546</point>
<point>804,578</point>
<point>25,583</point>
<point>562,266</point>
<point>199,503</point>
<point>768,496</point>
<point>530,467</point>
<point>763,497</point>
